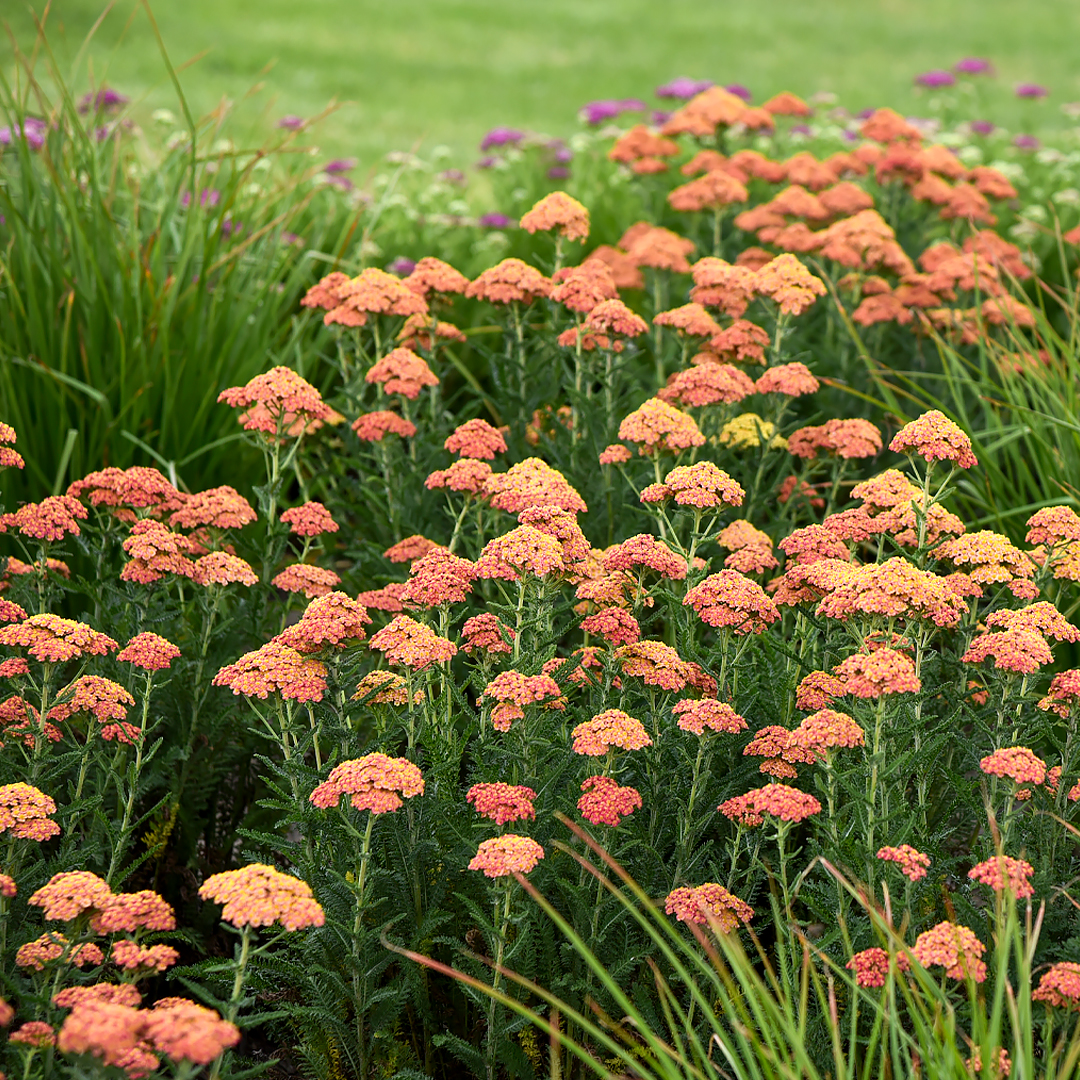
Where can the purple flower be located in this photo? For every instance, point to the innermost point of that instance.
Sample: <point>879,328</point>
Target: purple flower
<point>228,227</point>
<point>683,88</point>
<point>494,221</point>
<point>207,197</point>
<point>596,112</point>
<point>865,114</point>
<point>342,183</point>
<point>501,136</point>
<point>291,123</point>
<point>452,176</point>
<point>660,116</point>
<point>1031,90</point>
<point>739,91</point>
<point>934,80</point>
<point>1026,142</point>
<point>981,127</point>
<point>402,266</point>
<point>292,239</point>
<point>488,162</point>
<point>32,129</point>
<point>973,65</point>
<point>558,172</point>
<point>632,104</point>
<point>106,99</point>
<point>801,129</point>
<point>339,165</point>
<point>564,155</point>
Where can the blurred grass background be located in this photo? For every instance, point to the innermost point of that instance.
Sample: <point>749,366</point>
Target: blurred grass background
<point>429,72</point>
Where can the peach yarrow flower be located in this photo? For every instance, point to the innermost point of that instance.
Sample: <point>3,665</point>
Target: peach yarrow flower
<point>373,782</point>
<point>505,855</point>
<point>708,904</point>
<point>913,864</point>
<point>260,895</point>
<point>609,729</point>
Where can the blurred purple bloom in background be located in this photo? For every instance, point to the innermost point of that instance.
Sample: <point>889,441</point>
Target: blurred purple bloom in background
<point>402,265</point>
<point>981,127</point>
<point>739,91</point>
<point>501,136</point>
<point>292,239</point>
<point>488,162</point>
<point>865,114</point>
<point>106,98</point>
<point>660,116</point>
<point>596,112</point>
<point>339,165</point>
<point>494,221</point>
<point>935,79</point>
<point>558,172</point>
<point>228,227</point>
<point>33,130</point>
<point>207,197</point>
<point>452,176</point>
<point>973,65</point>
<point>800,129</point>
<point>1026,142</point>
<point>291,123</point>
<point>683,88</point>
<point>1031,90</point>
<point>563,154</point>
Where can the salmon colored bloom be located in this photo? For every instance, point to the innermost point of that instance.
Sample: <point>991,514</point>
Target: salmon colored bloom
<point>421,332</point>
<point>373,426</point>
<point>777,800</point>
<point>871,966</point>
<point>793,380</point>
<point>1040,618</point>
<point>707,384</point>
<point>437,579</point>
<point>221,568</point>
<point>847,439</point>
<point>563,526</point>
<point>813,543</point>
<point>895,588</point>
<point>614,317</point>
<point>401,371</point>
<point>312,581</point>
<point>309,519</point>
<point>66,896</point>
<point>781,753</point>
<point>130,956</point>
<point>275,669</point>
<point>487,633</point>
<point>222,507</point>
<point>406,642</point>
<point>716,189</point>
<point>789,284</point>
<point>1003,873</point>
<point>659,427</point>
<point>259,895</point>
<point>1016,763</point>
<point>705,112</point>
<point>502,802</point>
<point>515,693</point>
<point>184,1031</point>
<point>661,249</point>
<point>24,812</point>
<point>324,293</point>
<point>624,271</point>
<point>284,398</point>
<point>115,993</point>
<point>723,285</point>
<point>34,1033</point>
<point>605,802</point>
<point>334,620</point>
<point>690,319</point>
<point>466,474</point>
<point>1060,986</point>
<point>51,519</point>
<point>582,288</point>
<point>640,142</point>
<point>1063,693</point>
<point>695,715</point>
<point>9,890</point>
<point>149,652</point>
<point>733,601</point>
<point>431,275</point>
<point>708,904</point>
<point>751,549</point>
<point>52,639</point>
<point>913,864</point>
<point>109,1031</point>
<point>388,598</point>
<point>509,282</point>
<point>1022,651</point>
<point>476,439</point>
<point>132,912</point>
<point>52,946</point>
<point>155,551</point>
<point>644,552</point>
<point>9,459</point>
<point>818,689</point>
<point>935,437</point>
<point>615,625</point>
<point>656,664</point>
<point>385,688</point>
<point>508,854</point>
<point>102,698</point>
<point>375,292</point>
<point>533,482</point>
<point>1053,525</point>
<point>884,671</point>
<point>524,551</point>
<point>559,211</point>
<point>953,947</point>
<point>608,729</point>
<point>373,782</point>
<point>827,729</point>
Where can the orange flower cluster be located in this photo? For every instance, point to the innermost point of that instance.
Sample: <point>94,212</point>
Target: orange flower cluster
<point>953,947</point>
<point>1020,651</point>
<point>609,729</point>
<point>788,284</point>
<point>275,669</point>
<point>1053,525</point>
<point>259,895</point>
<point>52,947</point>
<point>401,371</point>
<point>476,439</point>
<point>311,580</point>
<point>126,491</point>
<point>1063,693</point>
<point>702,485</point>
<point>222,507</point>
<point>438,579</point>
<point>777,800</point>
<point>751,549</point>
<point>278,403</point>
<point>515,692</point>
<point>733,601</point>
<point>707,383</point>
<point>24,812</point>
<point>894,588</point>
<point>781,753</point>
<point>334,620</point>
<point>558,210</point>
<point>826,730</point>
<point>132,912</point>
<point>431,275</point>
<point>487,633</point>
<point>502,802</point>
<point>884,671</point>
<point>935,437</point>
<point>708,904</point>
<point>615,625</point>
<point>67,895</point>
<point>792,380</point>
<point>375,292</point>
<point>222,568</point>
<point>614,317</point>
<point>467,474</point>
<point>131,956</point>
<point>605,802</point>
<point>644,552</point>
<point>504,855</point>
<point>913,864</point>
<point>1060,986</point>
<point>1039,618</point>
<point>9,459</point>
<point>102,698</point>
<point>658,427</point>
<point>385,688</point>
<point>51,519</point>
<point>148,651</point>
<point>1016,763</point>
<point>156,551</point>
<point>656,664</point>
<point>373,782</point>
<point>533,482</point>
<point>407,642</point>
<point>372,426</point>
<point>524,551</point>
<point>847,439</point>
<point>52,639</point>
<point>509,282</point>
<point>115,993</point>
<point>871,966</point>
<point>695,715</point>
<point>716,189</point>
<point>1003,872</point>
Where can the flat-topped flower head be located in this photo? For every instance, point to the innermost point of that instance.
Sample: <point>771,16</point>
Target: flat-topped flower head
<point>884,671</point>
<point>487,633</point>
<point>733,601</point>
<point>776,800</point>
<point>385,688</point>
<point>130,956</point>
<point>275,669</point>
<point>523,552</point>
<point>51,519</point>
<point>411,548</point>
<point>514,692</point>
<point>376,292</point>
<point>533,482</point>
<point>476,439</point>
<point>1053,525</point>
<point>1039,618</point>
<point>913,864</point>
<point>53,639</point>
<point>66,896</point>
<point>788,283</point>
<point>781,753</point>
<point>155,551</point>
<point>509,282</point>
<point>374,426</point>
<point>1019,651</point>
<point>431,275</point>
<point>51,947</point>
<point>9,459</point>
<point>609,729</point>
<point>751,549</point>
<point>871,966</point>
<point>935,437</point>
<point>644,552</point>
<point>708,904</point>
<point>100,697</point>
<point>716,189</point>
<point>276,401</point>
<point>24,812</point>
<point>707,384</point>
<point>223,568</point>
<point>582,288</point>
<point>116,993</point>
<point>691,319</point>
<point>614,625</point>
<point>817,689</point>
<point>656,664</point>
<point>185,1031</point>
<point>305,578</point>
<point>1003,873</point>
<point>325,293</point>
<point>703,485</point>
<point>615,318</point>
<point>698,715</point>
<point>331,621</point>
<point>374,782</point>
<point>657,427</point>
<point>953,947</point>
<point>148,651</point>
<point>1059,987</point>
<point>1016,763</point>
<point>792,380</point>
<point>558,211</point>
<point>465,475</point>
<point>848,439</point>
<point>412,644</point>
<point>827,729</point>
<point>260,895</point>
<point>1063,693</point>
<point>422,332</point>
<point>723,285</point>
<point>658,248</point>
<point>605,802</point>
<point>563,526</point>
<point>438,579</point>
<point>132,912</point>
<point>991,559</point>
<point>502,802</point>
<point>504,855</point>
<point>309,519</point>
<point>401,371</point>
<point>221,507</point>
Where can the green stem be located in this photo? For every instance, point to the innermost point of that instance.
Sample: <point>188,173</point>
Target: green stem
<point>500,952</point>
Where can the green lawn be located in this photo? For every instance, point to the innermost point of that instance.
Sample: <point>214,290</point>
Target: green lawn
<point>444,71</point>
